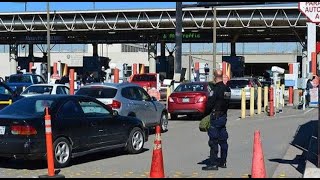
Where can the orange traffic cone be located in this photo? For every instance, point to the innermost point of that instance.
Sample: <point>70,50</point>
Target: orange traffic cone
<point>157,170</point>
<point>258,167</point>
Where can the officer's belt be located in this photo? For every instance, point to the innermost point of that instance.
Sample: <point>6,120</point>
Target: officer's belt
<point>218,113</point>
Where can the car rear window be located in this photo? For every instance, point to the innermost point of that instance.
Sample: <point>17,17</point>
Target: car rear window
<point>19,79</point>
<point>144,78</point>
<point>190,87</point>
<point>27,106</point>
<point>98,92</point>
<point>38,90</point>
<point>237,83</point>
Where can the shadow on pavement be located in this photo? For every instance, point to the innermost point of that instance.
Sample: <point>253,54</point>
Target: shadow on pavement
<point>42,164</point>
<point>301,141</point>
<point>187,118</point>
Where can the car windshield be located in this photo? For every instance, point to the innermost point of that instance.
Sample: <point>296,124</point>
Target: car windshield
<point>144,78</point>
<point>27,106</point>
<point>38,90</point>
<point>98,92</point>
<point>3,90</point>
<point>19,79</point>
<point>237,83</point>
<point>189,87</point>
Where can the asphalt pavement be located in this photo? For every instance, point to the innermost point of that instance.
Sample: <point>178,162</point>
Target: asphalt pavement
<point>185,151</point>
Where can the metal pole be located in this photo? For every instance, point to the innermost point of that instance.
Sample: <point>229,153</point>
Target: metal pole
<point>48,42</point>
<point>190,62</point>
<point>25,6</point>
<point>177,64</point>
<point>318,124</point>
<point>214,40</point>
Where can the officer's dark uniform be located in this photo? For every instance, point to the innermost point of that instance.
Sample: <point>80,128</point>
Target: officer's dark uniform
<point>217,132</point>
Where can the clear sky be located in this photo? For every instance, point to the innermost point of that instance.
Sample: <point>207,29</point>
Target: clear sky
<point>41,6</point>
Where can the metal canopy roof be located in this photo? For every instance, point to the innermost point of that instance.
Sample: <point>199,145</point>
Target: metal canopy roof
<point>240,24</point>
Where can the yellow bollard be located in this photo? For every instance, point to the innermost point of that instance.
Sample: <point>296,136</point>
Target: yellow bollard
<point>259,100</point>
<point>168,93</point>
<point>243,103</point>
<point>265,101</point>
<point>251,101</point>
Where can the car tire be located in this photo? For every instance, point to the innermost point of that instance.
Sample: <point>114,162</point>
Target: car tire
<point>135,136</point>
<point>61,152</point>
<point>173,116</point>
<point>164,122</point>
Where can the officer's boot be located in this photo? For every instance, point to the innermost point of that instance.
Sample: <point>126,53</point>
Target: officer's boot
<point>223,164</point>
<point>213,164</point>
<point>210,167</point>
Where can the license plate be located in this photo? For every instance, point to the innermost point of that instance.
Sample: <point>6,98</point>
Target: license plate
<point>2,130</point>
<point>237,92</point>
<point>185,100</point>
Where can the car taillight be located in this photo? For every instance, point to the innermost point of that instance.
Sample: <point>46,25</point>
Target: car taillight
<point>202,99</point>
<point>115,104</point>
<point>23,130</point>
<point>170,99</point>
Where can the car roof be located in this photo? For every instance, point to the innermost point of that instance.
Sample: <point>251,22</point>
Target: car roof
<point>25,74</point>
<point>59,97</point>
<point>198,82</point>
<point>145,74</point>
<point>48,85</point>
<point>114,85</point>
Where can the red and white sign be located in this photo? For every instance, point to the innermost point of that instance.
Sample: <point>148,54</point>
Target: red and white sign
<point>311,10</point>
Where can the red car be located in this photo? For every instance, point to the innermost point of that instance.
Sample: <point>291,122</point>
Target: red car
<point>189,99</point>
<point>147,80</point>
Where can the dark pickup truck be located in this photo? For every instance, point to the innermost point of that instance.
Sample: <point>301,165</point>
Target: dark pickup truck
<point>17,82</point>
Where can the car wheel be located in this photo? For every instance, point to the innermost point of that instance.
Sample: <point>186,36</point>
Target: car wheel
<point>62,152</point>
<point>173,116</point>
<point>135,141</point>
<point>164,122</point>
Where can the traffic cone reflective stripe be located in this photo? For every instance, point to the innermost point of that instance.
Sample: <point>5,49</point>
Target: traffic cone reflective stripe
<point>157,170</point>
<point>258,166</point>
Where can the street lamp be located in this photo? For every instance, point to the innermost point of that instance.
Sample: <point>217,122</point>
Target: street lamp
<point>48,43</point>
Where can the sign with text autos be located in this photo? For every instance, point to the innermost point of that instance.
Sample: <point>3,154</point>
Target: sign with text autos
<point>311,10</point>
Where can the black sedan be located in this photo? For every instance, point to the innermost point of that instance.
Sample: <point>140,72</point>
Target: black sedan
<point>80,125</point>
<point>6,93</point>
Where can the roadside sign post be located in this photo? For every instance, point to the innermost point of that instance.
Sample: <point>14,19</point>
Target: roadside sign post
<point>312,11</point>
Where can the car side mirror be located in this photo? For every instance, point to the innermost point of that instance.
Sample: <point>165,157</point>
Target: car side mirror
<point>115,113</point>
<point>154,98</point>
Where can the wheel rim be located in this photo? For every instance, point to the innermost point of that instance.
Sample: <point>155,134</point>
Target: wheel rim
<point>164,121</point>
<point>137,140</point>
<point>62,152</point>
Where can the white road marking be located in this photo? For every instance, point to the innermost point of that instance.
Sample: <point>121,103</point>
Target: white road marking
<point>308,111</point>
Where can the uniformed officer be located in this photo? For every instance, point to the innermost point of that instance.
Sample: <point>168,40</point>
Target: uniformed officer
<point>217,132</point>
